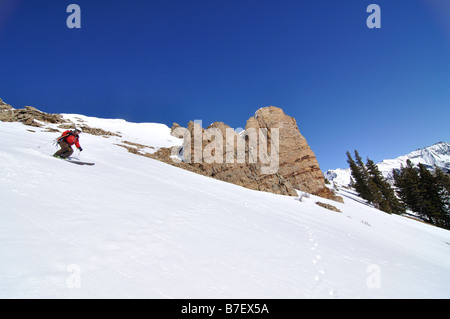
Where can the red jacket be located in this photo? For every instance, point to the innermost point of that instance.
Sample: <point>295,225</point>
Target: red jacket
<point>71,138</point>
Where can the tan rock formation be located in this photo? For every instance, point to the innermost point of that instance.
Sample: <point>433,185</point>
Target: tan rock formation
<point>33,117</point>
<point>214,152</point>
<point>28,115</point>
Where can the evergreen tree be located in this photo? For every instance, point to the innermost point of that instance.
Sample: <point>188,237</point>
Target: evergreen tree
<point>425,193</point>
<point>362,167</point>
<point>442,179</point>
<point>352,182</point>
<point>368,191</point>
<point>360,182</point>
<point>443,183</point>
<point>389,201</point>
<point>427,199</point>
<point>407,181</point>
<point>432,204</point>
<point>376,198</point>
<point>396,173</point>
<point>370,184</point>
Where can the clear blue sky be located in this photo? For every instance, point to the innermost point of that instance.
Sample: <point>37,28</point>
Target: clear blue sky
<point>382,91</point>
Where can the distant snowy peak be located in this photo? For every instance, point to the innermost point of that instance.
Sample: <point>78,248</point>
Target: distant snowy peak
<point>437,154</point>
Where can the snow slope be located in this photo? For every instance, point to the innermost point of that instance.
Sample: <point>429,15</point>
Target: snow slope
<point>437,154</point>
<point>133,227</point>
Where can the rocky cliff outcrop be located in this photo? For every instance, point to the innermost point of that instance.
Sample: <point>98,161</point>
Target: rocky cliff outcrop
<point>297,162</point>
<point>28,115</point>
<point>33,117</point>
<point>270,155</point>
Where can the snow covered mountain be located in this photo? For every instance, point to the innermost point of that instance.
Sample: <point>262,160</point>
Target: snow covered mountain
<point>134,227</point>
<point>437,154</point>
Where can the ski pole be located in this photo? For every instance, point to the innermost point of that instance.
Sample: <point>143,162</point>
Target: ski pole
<point>52,141</point>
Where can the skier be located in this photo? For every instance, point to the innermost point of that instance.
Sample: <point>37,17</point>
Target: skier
<point>67,139</point>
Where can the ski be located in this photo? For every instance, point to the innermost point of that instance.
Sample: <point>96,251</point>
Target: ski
<point>74,161</point>
<point>79,162</point>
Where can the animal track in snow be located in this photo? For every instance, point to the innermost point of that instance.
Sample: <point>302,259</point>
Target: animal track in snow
<point>316,260</point>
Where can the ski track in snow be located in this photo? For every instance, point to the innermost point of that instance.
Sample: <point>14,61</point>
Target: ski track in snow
<point>138,228</point>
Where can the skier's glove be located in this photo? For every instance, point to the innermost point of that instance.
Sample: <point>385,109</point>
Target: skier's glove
<point>80,149</point>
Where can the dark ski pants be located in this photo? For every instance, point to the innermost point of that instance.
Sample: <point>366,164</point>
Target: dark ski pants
<point>65,151</point>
